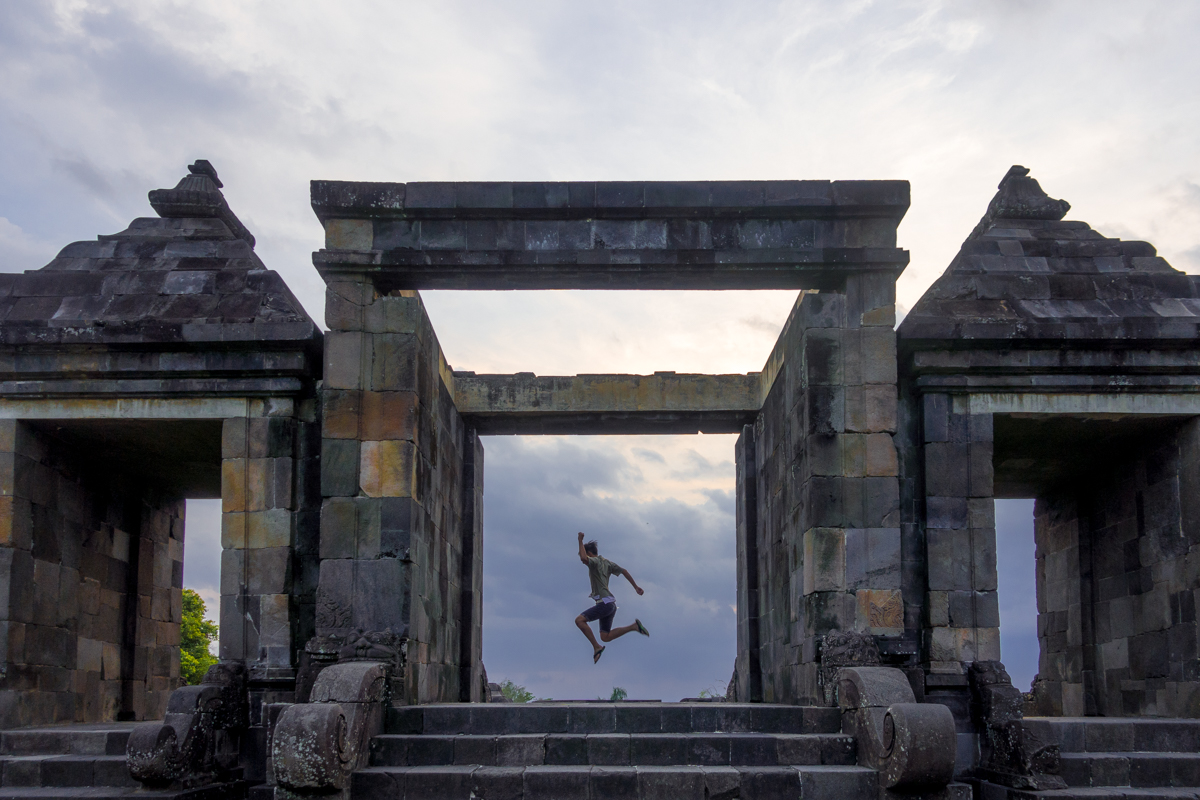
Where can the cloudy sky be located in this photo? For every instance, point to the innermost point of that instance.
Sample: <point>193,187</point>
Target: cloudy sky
<point>101,102</point>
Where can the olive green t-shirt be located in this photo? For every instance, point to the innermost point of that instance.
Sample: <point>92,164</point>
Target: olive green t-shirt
<point>599,568</point>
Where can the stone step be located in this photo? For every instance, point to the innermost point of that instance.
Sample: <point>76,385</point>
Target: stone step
<point>1137,770</point>
<point>990,791</point>
<point>1118,734</point>
<point>63,771</point>
<point>615,783</point>
<point>99,740</point>
<point>631,717</point>
<point>224,791</point>
<point>613,749</point>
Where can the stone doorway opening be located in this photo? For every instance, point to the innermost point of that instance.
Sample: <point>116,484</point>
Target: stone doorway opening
<point>98,515</point>
<point>662,506</point>
<point>1115,524</point>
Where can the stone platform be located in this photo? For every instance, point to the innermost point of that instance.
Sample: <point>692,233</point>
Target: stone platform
<point>1115,757</point>
<point>613,750</point>
<point>68,762</point>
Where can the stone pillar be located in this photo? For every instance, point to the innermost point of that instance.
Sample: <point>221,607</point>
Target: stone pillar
<point>747,668</point>
<point>828,538</point>
<point>960,536</point>
<point>470,667</point>
<point>257,540</point>
<point>392,481</point>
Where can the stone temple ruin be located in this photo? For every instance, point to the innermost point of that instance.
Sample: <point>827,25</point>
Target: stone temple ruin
<point>167,362</point>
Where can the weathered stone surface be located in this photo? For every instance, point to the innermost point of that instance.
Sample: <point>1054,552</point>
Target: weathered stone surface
<point>663,402</point>
<point>616,236</point>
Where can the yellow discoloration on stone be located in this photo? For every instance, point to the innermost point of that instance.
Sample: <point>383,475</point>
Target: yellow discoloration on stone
<point>233,484</point>
<point>386,469</point>
<point>880,612</point>
<point>349,234</point>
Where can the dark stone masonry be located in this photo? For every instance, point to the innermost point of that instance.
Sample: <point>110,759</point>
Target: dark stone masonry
<point>167,362</point>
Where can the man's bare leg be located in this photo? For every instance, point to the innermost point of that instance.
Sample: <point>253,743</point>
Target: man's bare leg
<point>582,624</point>
<point>615,633</point>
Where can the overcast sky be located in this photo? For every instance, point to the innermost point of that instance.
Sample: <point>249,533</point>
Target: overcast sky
<point>101,102</point>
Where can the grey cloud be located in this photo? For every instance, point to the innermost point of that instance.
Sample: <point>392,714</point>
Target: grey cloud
<point>698,466</point>
<point>762,324</point>
<point>649,455</point>
<point>724,499</point>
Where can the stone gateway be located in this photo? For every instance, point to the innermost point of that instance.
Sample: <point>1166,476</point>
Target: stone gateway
<point>167,362</point>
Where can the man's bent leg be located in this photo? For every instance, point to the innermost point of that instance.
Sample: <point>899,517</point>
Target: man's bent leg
<point>617,633</point>
<point>582,623</point>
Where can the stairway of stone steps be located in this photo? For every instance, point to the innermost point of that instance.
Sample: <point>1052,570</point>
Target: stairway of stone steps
<point>1115,757</point>
<point>79,761</point>
<point>540,751</point>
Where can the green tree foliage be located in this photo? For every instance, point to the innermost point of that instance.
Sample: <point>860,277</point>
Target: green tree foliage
<point>195,635</point>
<point>618,694</point>
<point>515,693</point>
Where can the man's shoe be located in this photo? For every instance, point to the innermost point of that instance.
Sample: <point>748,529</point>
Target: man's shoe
<point>641,628</point>
<point>596,655</point>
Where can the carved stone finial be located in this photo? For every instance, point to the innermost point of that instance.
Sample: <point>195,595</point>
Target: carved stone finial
<point>196,741</point>
<point>1021,197</point>
<point>198,194</point>
<point>204,167</point>
<point>911,744</point>
<point>844,649</point>
<point>1010,753</point>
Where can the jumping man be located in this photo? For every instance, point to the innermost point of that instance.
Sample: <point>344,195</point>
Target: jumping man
<point>606,605</point>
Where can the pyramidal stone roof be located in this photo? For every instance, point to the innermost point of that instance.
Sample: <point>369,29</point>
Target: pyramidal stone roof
<point>188,276</point>
<point>1026,274</point>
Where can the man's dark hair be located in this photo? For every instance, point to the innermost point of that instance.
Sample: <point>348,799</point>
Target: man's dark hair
<point>591,548</point>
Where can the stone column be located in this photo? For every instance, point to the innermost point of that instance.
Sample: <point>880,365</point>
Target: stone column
<point>258,528</point>
<point>827,495</point>
<point>392,483</point>
<point>747,668</point>
<point>960,536</point>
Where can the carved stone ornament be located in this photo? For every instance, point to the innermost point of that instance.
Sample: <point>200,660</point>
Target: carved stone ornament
<point>193,744</point>
<point>317,745</point>
<point>1010,753</point>
<point>1020,197</point>
<point>911,744</point>
<point>844,649</point>
<point>198,194</point>
<point>386,645</point>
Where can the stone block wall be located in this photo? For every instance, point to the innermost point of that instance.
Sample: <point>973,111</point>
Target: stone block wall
<point>827,529</point>
<point>258,529</point>
<point>91,565</point>
<point>1118,560</point>
<point>962,611</point>
<point>392,478</point>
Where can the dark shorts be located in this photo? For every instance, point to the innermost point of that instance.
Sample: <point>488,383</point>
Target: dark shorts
<point>604,612</point>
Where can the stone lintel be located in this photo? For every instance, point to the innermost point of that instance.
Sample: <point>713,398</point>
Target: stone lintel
<point>146,408</point>
<point>780,268</point>
<point>608,199</point>
<point>701,235</point>
<point>1099,405</point>
<point>664,402</point>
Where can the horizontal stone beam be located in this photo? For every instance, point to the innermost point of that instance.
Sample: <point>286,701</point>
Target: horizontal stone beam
<point>664,402</point>
<point>702,235</point>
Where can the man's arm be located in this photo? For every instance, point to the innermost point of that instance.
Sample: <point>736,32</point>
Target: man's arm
<point>632,582</point>
<point>583,556</point>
